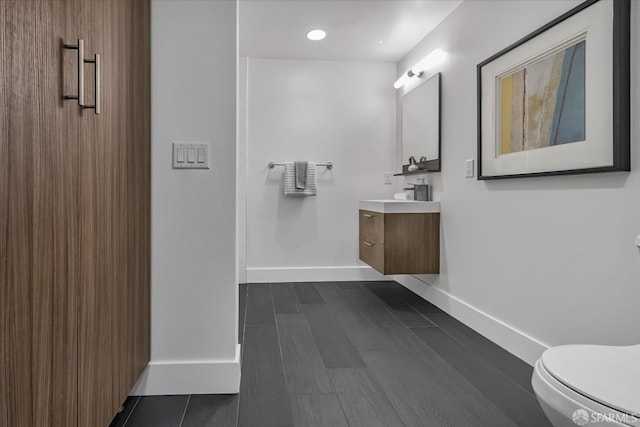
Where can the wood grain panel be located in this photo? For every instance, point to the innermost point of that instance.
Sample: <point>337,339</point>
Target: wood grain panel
<point>412,243</point>
<point>5,402</point>
<point>115,166</point>
<point>99,201</point>
<point>372,253</point>
<point>18,65</point>
<point>55,210</point>
<point>372,225</point>
<point>74,212</point>
<point>139,228</point>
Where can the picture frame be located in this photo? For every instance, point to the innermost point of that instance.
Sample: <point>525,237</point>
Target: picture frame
<point>557,101</point>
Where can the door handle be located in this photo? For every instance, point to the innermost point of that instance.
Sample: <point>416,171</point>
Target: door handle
<point>367,243</point>
<point>368,215</point>
<point>96,82</point>
<point>80,48</point>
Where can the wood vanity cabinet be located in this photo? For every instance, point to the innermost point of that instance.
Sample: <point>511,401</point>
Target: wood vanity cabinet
<point>400,243</point>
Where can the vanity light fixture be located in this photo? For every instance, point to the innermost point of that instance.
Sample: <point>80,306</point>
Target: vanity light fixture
<point>316,35</point>
<point>428,62</point>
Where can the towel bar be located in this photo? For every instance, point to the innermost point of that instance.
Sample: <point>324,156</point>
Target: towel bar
<point>328,165</point>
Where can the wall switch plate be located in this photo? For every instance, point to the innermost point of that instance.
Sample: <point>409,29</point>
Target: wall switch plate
<point>191,155</point>
<point>388,176</point>
<point>638,241</point>
<point>469,168</point>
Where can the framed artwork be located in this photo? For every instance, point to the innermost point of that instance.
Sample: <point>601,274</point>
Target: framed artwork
<point>558,101</point>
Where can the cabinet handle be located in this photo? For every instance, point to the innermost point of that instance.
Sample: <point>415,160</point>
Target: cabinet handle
<point>96,82</point>
<point>80,48</point>
<point>368,215</point>
<point>367,243</point>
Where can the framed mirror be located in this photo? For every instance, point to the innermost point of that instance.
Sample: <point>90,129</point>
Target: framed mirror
<point>421,127</point>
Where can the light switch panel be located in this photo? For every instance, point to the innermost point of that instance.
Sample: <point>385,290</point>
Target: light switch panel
<point>191,155</point>
<point>388,176</point>
<point>468,168</point>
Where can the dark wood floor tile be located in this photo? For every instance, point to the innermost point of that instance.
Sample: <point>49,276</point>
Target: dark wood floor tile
<point>349,285</point>
<point>516,403</point>
<point>516,369</point>
<point>128,405</point>
<point>317,410</point>
<point>242,304</point>
<point>423,395</point>
<point>285,299</point>
<point>362,399</point>
<point>158,411</point>
<point>376,311</point>
<point>259,305</point>
<point>307,293</point>
<point>407,397</point>
<point>303,366</point>
<point>360,330</point>
<point>423,306</point>
<point>396,290</point>
<point>211,410</point>
<point>336,349</point>
<point>397,297</point>
<point>264,399</point>
<point>388,288</point>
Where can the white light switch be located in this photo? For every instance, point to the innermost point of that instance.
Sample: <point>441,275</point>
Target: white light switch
<point>191,155</point>
<point>638,241</point>
<point>469,168</point>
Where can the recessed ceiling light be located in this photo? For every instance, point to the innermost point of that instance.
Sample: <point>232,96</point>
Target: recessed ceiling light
<point>380,41</point>
<point>316,35</point>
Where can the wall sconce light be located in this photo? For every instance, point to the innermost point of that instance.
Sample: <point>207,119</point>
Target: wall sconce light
<point>428,62</point>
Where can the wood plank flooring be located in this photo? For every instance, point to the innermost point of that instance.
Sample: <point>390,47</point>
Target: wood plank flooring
<point>358,354</point>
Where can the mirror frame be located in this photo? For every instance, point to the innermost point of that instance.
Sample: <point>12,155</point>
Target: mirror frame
<point>433,165</point>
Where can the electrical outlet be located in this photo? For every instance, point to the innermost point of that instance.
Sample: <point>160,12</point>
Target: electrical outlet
<point>469,170</point>
<point>387,178</point>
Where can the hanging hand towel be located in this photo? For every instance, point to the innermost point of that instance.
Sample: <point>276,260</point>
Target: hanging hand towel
<point>301,175</point>
<point>290,180</point>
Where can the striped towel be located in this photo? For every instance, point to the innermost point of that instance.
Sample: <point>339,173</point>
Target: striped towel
<point>290,180</point>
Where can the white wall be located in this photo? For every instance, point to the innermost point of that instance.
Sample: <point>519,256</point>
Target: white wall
<point>321,111</point>
<point>194,293</point>
<point>241,172</point>
<point>530,262</point>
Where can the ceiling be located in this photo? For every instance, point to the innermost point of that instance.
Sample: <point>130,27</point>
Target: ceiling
<point>277,28</point>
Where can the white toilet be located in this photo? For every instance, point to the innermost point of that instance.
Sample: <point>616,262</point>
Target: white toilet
<point>589,385</point>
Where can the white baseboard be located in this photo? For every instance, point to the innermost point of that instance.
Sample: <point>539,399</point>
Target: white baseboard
<point>506,336</point>
<point>190,377</point>
<point>312,274</point>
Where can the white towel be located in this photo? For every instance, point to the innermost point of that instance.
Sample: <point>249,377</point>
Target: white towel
<point>290,180</point>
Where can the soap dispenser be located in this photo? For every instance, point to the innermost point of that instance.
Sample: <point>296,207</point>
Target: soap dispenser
<point>421,191</point>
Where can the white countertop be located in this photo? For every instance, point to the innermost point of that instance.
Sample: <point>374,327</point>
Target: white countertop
<point>400,206</point>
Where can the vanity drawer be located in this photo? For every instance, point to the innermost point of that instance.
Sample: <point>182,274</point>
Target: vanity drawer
<point>372,253</point>
<point>372,225</point>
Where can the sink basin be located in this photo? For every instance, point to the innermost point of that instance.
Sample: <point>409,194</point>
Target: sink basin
<point>400,206</point>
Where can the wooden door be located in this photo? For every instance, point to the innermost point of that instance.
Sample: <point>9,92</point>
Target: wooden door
<point>114,211</point>
<point>38,215</point>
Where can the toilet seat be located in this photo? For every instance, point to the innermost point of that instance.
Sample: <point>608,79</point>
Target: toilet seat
<point>605,374</point>
<point>565,387</point>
